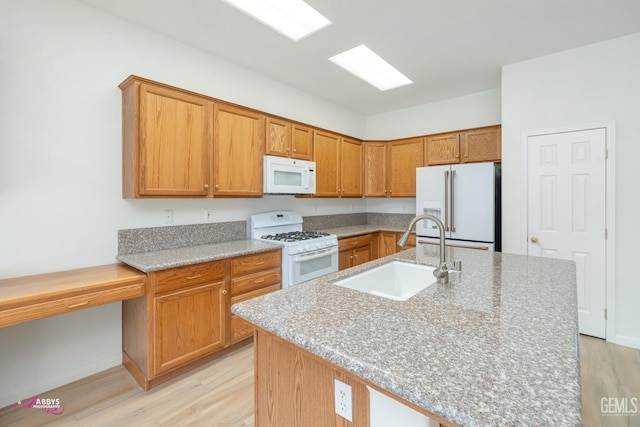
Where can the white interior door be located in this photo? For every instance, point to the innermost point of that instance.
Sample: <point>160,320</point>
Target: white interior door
<point>566,190</point>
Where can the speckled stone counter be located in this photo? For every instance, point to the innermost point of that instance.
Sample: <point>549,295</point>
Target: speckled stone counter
<point>356,230</point>
<point>177,257</point>
<point>499,347</point>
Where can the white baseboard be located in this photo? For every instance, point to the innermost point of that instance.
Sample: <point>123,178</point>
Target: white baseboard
<point>627,341</point>
<point>9,397</point>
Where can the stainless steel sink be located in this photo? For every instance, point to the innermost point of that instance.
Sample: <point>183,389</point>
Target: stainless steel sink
<point>395,280</point>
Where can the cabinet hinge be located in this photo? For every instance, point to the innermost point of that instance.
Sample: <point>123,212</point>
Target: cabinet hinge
<point>606,234</point>
<point>605,314</point>
<point>606,153</point>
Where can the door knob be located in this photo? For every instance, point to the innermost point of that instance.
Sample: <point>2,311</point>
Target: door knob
<point>534,239</point>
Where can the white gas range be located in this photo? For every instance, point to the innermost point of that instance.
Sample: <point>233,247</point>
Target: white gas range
<point>306,255</point>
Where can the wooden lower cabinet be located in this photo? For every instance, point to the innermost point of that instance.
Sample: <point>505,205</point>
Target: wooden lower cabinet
<point>387,242</point>
<point>295,388</point>
<point>188,324</point>
<point>354,251</point>
<point>184,320</point>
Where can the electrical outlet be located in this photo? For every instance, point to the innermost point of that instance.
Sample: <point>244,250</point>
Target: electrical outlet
<point>168,216</point>
<point>343,400</point>
<point>208,215</point>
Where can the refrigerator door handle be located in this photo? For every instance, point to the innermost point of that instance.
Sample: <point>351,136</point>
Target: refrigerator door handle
<point>453,199</point>
<point>446,200</point>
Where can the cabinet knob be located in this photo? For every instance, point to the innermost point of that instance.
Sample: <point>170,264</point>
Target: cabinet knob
<point>294,150</point>
<point>217,186</point>
<point>224,292</point>
<point>206,186</point>
<point>534,239</point>
<point>351,257</point>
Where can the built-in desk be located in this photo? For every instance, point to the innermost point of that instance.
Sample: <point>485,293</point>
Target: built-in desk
<point>34,297</point>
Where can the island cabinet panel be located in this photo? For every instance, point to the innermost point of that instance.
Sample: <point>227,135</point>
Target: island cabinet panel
<point>296,389</point>
<point>238,149</point>
<point>326,148</point>
<point>482,145</point>
<point>166,141</point>
<point>375,168</point>
<point>404,157</point>
<point>443,149</point>
<point>351,168</point>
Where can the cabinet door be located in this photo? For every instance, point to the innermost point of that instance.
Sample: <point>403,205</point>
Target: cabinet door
<point>351,163</point>
<point>387,243</point>
<point>375,169</point>
<point>238,148</point>
<point>404,157</point>
<point>188,324</point>
<point>361,255</point>
<point>326,147</point>
<point>278,137</point>
<point>443,149</point>
<point>345,259</point>
<point>174,140</point>
<point>302,143</point>
<point>482,145</point>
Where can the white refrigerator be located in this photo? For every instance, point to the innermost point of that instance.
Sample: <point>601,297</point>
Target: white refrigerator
<point>466,198</point>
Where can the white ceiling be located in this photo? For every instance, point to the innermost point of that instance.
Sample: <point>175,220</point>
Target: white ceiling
<point>448,48</point>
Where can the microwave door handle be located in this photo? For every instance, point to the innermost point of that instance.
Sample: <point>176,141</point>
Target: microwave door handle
<point>322,254</point>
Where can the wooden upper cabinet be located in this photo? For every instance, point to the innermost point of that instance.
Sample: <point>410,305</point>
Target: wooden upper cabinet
<point>166,140</point>
<point>287,139</point>
<point>302,142</point>
<point>326,148</point>
<point>351,168</point>
<point>238,148</point>
<point>482,145</point>
<point>278,138</point>
<point>375,169</point>
<point>443,149</point>
<point>405,155</point>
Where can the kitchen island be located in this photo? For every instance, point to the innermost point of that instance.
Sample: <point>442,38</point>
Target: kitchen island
<point>498,346</point>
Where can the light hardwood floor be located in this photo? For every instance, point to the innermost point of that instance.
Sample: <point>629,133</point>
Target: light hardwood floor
<point>220,394</point>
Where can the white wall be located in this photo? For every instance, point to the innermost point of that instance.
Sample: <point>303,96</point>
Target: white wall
<point>592,84</point>
<point>464,112</point>
<point>60,164</point>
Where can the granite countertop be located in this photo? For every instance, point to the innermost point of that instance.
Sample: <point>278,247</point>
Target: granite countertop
<point>498,347</point>
<point>169,258</point>
<point>355,230</point>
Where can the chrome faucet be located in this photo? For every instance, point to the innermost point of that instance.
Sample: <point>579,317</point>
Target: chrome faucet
<point>442,271</point>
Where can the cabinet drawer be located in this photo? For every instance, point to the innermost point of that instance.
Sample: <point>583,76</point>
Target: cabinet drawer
<point>354,242</point>
<point>251,282</point>
<point>255,293</point>
<point>240,329</point>
<point>182,277</point>
<point>65,305</point>
<point>250,263</point>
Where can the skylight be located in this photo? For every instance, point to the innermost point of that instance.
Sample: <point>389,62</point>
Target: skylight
<point>292,18</point>
<point>366,64</point>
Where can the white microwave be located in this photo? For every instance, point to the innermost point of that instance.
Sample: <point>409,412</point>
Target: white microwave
<point>288,176</point>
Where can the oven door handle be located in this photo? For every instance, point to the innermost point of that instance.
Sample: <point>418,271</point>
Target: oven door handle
<point>315,255</point>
